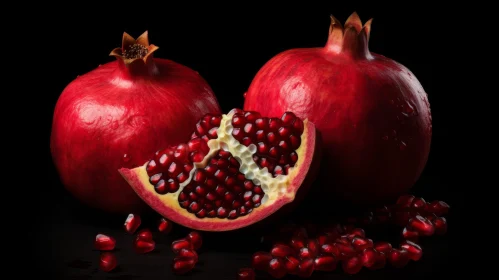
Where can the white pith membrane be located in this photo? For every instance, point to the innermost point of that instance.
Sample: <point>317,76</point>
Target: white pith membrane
<point>274,188</point>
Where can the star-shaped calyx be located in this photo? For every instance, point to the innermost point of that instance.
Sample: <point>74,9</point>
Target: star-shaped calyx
<point>134,50</point>
<point>351,39</point>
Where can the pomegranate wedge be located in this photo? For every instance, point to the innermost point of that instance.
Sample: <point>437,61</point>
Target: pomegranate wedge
<point>237,169</point>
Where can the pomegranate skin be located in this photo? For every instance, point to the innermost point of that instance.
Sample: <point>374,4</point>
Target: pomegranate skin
<point>119,115</point>
<point>372,112</point>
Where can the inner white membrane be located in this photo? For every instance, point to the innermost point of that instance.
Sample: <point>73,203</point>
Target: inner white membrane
<point>244,155</point>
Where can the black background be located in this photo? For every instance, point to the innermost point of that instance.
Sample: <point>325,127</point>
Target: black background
<point>227,45</point>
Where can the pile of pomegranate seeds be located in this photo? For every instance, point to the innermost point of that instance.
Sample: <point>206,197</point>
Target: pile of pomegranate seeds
<point>301,254</point>
<point>185,249</point>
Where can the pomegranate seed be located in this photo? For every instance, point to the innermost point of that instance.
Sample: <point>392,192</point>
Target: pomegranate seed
<point>142,245</point>
<point>132,223</point>
<point>438,208</point>
<point>410,235</point>
<point>421,225</point>
<point>440,225</point>
<point>418,204</point>
<point>405,201</point>
<point>325,263</point>
<point>306,268</point>
<point>414,250</point>
<point>380,261</point>
<point>323,239</point>
<point>360,243</point>
<point>164,226</point>
<point>145,234</point>
<point>398,257</point>
<point>297,243</point>
<point>288,118</point>
<point>383,247</point>
<point>352,265</point>
<point>402,218</point>
<point>246,274</point>
<point>369,257</point>
<point>196,239</point>
<point>292,264</point>
<point>346,250</point>
<point>330,249</point>
<point>305,253</point>
<point>281,251</point>
<point>277,268</point>
<point>298,126</point>
<point>188,254</point>
<point>356,232</point>
<point>108,261</point>
<point>180,244</point>
<point>104,242</point>
<point>261,260</point>
<point>313,247</point>
<point>182,265</point>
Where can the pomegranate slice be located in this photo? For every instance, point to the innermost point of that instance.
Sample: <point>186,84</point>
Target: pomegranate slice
<point>237,169</point>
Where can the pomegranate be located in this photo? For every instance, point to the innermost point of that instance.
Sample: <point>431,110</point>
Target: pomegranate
<point>118,115</point>
<point>237,169</point>
<point>372,112</point>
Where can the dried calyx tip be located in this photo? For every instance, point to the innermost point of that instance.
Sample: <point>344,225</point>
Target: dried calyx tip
<point>135,51</point>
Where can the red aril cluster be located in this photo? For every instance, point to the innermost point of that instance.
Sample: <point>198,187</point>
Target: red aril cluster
<point>185,251</point>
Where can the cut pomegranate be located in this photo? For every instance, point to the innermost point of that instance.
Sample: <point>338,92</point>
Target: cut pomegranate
<point>306,268</point>
<point>246,274</point>
<point>188,254</point>
<point>261,260</point>
<point>414,250</point>
<point>422,225</point>
<point>104,242</point>
<point>277,268</point>
<point>132,223</point>
<point>143,245</point>
<point>164,226</point>
<point>352,265</point>
<point>237,169</point>
<point>180,244</point>
<point>182,265</point>
<point>325,263</point>
<point>108,261</point>
<point>145,234</point>
<point>196,239</point>
<point>398,257</point>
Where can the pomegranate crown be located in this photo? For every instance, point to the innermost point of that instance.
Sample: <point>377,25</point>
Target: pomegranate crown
<point>134,50</point>
<point>352,38</point>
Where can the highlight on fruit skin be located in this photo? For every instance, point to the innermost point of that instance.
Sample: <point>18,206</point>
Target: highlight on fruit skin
<point>237,169</point>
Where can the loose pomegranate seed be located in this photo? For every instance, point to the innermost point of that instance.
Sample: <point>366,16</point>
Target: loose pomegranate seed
<point>182,265</point>
<point>421,225</point>
<point>261,260</point>
<point>220,190</point>
<point>325,263</point>
<point>438,208</point>
<point>292,264</point>
<point>369,257</point>
<point>405,201</point>
<point>306,268</point>
<point>383,247</point>
<point>104,242</point>
<point>330,249</point>
<point>132,223</point>
<point>440,225</point>
<point>142,245</point>
<point>410,235</point>
<point>180,244</point>
<point>352,265</point>
<point>144,234</point>
<point>277,268</point>
<point>398,257</point>
<point>414,250</point>
<point>280,250</point>
<point>418,204</point>
<point>323,239</point>
<point>380,261</point>
<point>246,274</point>
<point>196,239</point>
<point>276,139</point>
<point>346,250</point>
<point>313,247</point>
<point>360,243</point>
<point>356,232</point>
<point>297,242</point>
<point>188,254</point>
<point>164,226</point>
<point>108,261</point>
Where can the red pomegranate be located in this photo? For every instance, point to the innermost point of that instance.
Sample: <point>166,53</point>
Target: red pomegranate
<point>236,170</point>
<point>372,112</point>
<point>118,115</point>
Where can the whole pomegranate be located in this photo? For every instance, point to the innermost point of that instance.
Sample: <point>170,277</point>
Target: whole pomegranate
<point>118,115</point>
<point>372,112</point>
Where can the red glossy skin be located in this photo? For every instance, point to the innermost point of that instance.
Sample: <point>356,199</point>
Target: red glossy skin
<point>110,112</point>
<point>372,112</point>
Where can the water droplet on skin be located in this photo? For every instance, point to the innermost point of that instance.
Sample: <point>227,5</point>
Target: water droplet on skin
<point>385,137</point>
<point>126,158</point>
<point>403,145</point>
